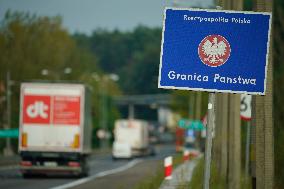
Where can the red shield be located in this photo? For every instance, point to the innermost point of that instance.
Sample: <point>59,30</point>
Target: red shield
<point>214,50</point>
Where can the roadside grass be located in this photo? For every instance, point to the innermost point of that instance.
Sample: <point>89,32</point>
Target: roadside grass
<point>152,182</point>
<point>155,181</point>
<point>246,182</point>
<point>216,182</point>
<point>197,177</point>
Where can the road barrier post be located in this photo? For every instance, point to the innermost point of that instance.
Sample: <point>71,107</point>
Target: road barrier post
<point>168,163</point>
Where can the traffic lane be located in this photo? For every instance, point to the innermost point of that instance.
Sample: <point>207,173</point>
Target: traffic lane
<point>9,160</point>
<point>103,163</point>
<point>31,183</point>
<point>164,150</point>
<point>100,164</point>
<point>10,176</point>
<point>126,179</point>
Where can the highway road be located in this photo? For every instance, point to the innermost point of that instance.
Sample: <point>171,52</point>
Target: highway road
<point>104,173</point>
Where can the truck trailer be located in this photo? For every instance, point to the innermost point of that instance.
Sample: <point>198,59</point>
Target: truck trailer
<point>55,129</point>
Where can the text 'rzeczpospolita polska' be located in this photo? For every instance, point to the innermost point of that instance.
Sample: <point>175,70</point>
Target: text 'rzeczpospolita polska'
<point>216,19</point>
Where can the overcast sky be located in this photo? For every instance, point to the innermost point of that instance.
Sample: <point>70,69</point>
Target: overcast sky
<point>87,15</point>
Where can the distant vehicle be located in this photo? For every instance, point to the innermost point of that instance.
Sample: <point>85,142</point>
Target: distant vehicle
<point>55,129</point>
<point>131,139</point>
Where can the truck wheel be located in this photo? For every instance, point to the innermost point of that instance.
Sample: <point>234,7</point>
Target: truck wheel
<point>85,170</point>
<point>152,151</point>
<point>26,175</point>
<point>83,174</point>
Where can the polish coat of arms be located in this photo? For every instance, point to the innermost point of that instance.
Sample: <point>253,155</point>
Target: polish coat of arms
<point>214,50</point>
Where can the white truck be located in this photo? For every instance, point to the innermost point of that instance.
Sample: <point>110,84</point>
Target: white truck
<point>131,139</point>
<point>55,129</point>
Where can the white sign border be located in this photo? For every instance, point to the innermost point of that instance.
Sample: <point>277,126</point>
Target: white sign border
<point>214,90</point>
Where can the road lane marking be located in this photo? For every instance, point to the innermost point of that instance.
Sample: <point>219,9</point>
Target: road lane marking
<point>98,175</point>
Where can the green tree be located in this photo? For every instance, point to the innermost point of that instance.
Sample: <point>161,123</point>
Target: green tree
<point>134,56</point>
<point>32,45</point>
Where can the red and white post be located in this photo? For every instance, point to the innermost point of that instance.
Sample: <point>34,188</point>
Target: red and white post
<point>186,155</point>
<point>168,163</point>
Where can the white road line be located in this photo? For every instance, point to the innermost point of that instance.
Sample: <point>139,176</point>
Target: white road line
<point>98,175</point>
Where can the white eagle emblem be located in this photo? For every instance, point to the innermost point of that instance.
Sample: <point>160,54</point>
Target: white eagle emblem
<point>214,50</point>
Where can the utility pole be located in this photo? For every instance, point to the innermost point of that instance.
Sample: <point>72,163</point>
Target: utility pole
<point>198,105</point>
<point>234,158</point>
<point>230,162</point>
<point>224,133</point>
<point>247,148</point>
<point>104,123</point>
<point>228,127</point>
<point>8,149</point>
<point>234,140</point>
<point>216,154</point>
<point>221,134</point>
<point>191,105</point>
<point>262,117</point>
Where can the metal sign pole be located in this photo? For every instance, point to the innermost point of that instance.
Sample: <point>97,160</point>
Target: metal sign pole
<point>209,131</point>
<point>247,149</point>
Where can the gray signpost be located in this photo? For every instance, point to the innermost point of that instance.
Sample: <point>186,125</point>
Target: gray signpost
<point>209,131</point>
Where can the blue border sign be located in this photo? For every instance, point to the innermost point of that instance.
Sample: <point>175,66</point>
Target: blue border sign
<point>215,50</point>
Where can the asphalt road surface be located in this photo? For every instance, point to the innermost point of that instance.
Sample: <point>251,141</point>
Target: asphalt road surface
<point>104,173</point>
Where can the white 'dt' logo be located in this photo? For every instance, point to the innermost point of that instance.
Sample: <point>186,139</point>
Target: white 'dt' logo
<point>37,109</point>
